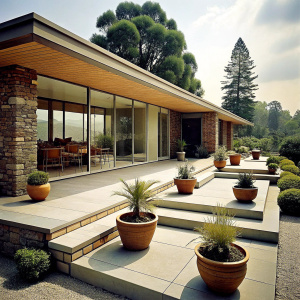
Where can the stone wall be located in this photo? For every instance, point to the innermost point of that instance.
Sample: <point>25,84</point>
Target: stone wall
<point>210,131</point>
<point>18,128</point>
<point>175,131</point>
<point>15,238</point>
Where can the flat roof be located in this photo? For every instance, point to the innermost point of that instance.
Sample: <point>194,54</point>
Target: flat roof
<point>34,42</point>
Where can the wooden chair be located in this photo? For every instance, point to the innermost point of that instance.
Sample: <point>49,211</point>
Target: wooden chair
<point>75,154</point>
<point>52,157</point>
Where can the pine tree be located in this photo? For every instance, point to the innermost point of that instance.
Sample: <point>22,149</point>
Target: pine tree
<point>239,87</point>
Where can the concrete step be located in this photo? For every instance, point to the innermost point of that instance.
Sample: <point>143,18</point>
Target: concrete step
<point>214,191</point>
<point>167,269</point>
<point>257,176</point>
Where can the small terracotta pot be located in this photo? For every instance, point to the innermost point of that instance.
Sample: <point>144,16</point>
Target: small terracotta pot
<point>272,171</point>
<point>245,195</point>
<point>136,236</point>
<point>235,159</point>
<point>180,156</point>
<point>255,154</point>
<point>219,164</point>
<point>38,192</point>
<point>222,277</point>
<point>185,186</point>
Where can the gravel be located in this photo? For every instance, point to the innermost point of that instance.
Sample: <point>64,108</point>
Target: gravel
<point>54,286</point>
<point>288,260</point>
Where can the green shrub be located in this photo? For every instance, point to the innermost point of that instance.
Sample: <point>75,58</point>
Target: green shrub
<point>243,149</point>
<point>185,171</point>
<point>273,166</point>
<point>32,264</point>
<point>105,141</point>
<point>286,162</point>
<point>291,149</point>
<point>285,173</point>
<point>37,178</point>
<point>290,168</point>
<point>273,159</point>
<point>289,182</point>
<point>202,152</point>
<point>289,201</point>
<point>245,181</point>
<point>265,144</point>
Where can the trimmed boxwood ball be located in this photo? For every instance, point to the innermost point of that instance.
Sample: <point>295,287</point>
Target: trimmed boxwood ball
<point>37,178</point>
<point>289,182</point>
<point>285,173</point>
<point>32,264</point>
<point>286,162</point>
<point>289,201</point>
<point>290,168</point>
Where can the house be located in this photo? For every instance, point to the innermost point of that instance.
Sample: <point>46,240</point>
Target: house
<point>59,91</point>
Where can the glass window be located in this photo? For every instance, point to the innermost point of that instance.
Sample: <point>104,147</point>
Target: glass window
<point>153,119</point>
<point>139,132</point>
<point>42,120</point>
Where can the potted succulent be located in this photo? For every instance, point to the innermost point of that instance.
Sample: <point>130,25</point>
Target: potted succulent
<point>221,263</point>
<point>181,154</point>
<point>185,181</point>
<point>220,157</point>
<point>255,154</point>
<point>38,187</point>
<point>235,158</point>
<point>137,228</point>
<point>244,190</point>
<point>272,167</point>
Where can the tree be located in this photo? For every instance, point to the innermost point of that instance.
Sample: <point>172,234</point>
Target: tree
<point>260,120</point>
<point>275,109</point>
<point>144,36</point>
<point>239,85</point>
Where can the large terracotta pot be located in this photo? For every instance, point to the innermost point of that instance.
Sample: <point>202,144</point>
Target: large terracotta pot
<point>235,159</point>
<point>222,277</point>
<point>136,236</point>
<point>255,154</point>
<point>219,164</point>
<point>180,156</point>
<point>38,192</point>
<point>245,195</point>
<point>185,186</point>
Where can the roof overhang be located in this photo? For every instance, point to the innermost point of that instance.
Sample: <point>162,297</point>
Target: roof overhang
<point>34,42</point>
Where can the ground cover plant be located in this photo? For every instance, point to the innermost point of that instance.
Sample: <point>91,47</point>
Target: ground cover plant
<point>32,264</point>
<point>286,162</point>
<point>285,173</point>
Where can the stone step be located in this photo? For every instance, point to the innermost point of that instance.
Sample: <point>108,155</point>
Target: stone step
<point>167,269</point>
<point>257,176</point>
<point>214,191</point>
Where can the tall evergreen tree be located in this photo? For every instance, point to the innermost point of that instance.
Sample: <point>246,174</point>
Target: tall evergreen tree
<point>239,86</point>
<point>144,36</point>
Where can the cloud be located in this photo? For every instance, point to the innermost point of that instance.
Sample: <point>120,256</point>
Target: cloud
<point>286,68</point>
<point>279,11</point>
<point>287,43</point>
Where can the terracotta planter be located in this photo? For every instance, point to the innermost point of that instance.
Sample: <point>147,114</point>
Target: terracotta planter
<point>245,195</point>
<point>255,154</point>
<point>136,236</point>
<point>222,277</point>
<point>180,156</point>
<point>219,164</point>
<point>185,186</point>
<point>38,192</point>
<point>272,171</point>
<point>235,159</point>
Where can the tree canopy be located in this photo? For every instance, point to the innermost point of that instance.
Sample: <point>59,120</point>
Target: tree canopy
<point>239,86</point>
<point>144,36</point>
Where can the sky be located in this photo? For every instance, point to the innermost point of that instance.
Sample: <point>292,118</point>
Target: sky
<point>269,28</point>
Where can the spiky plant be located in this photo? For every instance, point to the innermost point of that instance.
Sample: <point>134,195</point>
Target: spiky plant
<point>138,195</point>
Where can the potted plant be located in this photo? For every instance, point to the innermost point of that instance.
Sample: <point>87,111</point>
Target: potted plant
<point>244,190</point>
<point>220,157</point>
<point>185,181</point>
<point>181,154</point>
<point>235,158</point>
<point>38,187</point>
<point>136,228</point>
<point>272,167</point>
<point>221,263</point>
<point>255,154</point>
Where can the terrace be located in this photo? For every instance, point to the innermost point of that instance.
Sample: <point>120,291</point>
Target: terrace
<point>77,223</point>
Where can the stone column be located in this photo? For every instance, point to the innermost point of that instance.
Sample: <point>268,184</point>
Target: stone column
<point>210,131</point>
<point>18,128</point>
<point>229,136</point>
<point>175,131</point>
